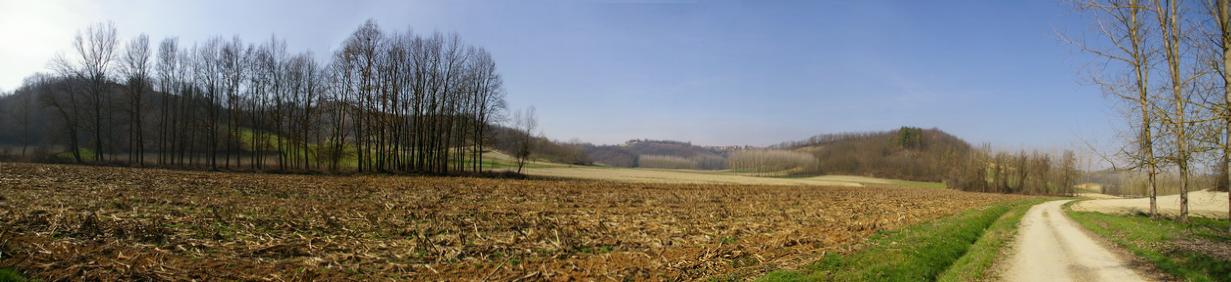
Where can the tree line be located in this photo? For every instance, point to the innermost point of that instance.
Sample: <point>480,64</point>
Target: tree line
<point>386,101</point>
<point>772,162</point>
<point>1033,173</point>
<point>1167,63</point>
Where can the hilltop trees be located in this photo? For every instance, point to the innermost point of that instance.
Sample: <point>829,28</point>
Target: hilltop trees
<point>906,153</point>
<point>387,102</point>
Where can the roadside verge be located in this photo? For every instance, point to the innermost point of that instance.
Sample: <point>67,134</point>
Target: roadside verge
<point>960,247</point>
<point>1199,250</point>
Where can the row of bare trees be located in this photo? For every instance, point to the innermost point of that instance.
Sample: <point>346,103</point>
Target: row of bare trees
<point>1167,66</point>
<point>1032,173</point>
<point>771,161</point>
<point>386,102</point>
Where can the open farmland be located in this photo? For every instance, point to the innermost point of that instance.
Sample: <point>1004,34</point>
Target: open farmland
<point>85,223</point>
<point>679,176</point>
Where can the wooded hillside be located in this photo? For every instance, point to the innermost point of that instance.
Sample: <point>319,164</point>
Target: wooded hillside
<point>906,153</point>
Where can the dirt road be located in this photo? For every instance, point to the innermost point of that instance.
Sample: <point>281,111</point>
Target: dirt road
<point>1051,247</point>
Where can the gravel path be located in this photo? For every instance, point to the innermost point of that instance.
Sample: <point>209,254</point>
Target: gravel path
<point>1051,247</point>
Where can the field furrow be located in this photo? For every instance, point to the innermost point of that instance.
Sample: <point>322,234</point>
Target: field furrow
<point>85,223</point>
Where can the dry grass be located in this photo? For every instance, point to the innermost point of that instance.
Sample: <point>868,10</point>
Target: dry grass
<point>94,223</point>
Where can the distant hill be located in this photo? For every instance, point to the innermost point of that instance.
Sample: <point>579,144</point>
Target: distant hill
<point>905,153</point>
<point>657,154</point>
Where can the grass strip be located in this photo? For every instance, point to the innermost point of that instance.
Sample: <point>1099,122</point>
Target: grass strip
<point>976,263</point>
<point>1155,240</point>
<point>921,252</point>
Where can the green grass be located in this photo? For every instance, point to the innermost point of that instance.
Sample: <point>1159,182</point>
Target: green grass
<point>921,252</point>
<point>67,156</point>
<point>1153,240</point>
<point>10,275</point>
<point>974,265</point>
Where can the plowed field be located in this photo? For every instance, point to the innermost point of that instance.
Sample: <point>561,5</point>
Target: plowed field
<point>86,223</point>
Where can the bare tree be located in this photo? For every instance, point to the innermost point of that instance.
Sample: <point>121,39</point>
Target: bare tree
<point>1171,33</point>
<point>95,49</point>
<point>526,123</point>
<point>1121,23</point>
<point>1068,172</point>
<point>136,69</point>
<point>166,67</point>
<point>1220,12</point>
<point>38,85</point>
<point>208,75</point>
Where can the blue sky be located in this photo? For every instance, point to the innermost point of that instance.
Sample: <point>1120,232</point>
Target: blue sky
<point>710,72</point>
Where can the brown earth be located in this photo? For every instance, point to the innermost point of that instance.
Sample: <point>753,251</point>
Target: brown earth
<point>96,223</point>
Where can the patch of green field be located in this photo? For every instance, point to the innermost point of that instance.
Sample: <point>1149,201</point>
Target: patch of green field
<point>1160,241</point>
<point>67,156</point>
<point>922,252</point>
<point>11,275</point>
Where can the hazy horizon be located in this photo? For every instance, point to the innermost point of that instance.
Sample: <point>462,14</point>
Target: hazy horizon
<point>711,73</point>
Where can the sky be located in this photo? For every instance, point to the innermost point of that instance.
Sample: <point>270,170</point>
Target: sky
<point>709,72</point>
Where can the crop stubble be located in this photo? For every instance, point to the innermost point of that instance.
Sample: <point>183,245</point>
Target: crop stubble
<point>85,223</point>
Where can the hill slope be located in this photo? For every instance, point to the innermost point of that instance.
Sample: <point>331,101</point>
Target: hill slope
<point>905,153</point>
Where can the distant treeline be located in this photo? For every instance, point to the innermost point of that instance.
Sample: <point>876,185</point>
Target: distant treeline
<point>656,154</point>
<point>772,162</point>
<point>1136,183</point>
<point>1021,173</point>
<point>932,155</point>
<point>387,101</point>
<point>906,153</point>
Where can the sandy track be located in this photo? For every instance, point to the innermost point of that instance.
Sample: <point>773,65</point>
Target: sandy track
<point>1202,203</point>
<point>1051,247</point>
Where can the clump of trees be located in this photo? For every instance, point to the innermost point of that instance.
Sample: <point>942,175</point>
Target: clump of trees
<point>932,155</point>
<point>1132,183</point>
<point>771,161</point>
<point>1168,63</point>
<point>387,101</point>
<point>909,153</point>
<point>1020,173</point>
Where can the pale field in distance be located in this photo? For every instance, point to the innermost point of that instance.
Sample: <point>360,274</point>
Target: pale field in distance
<point>1202,203</point>
<point>639,175</point>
